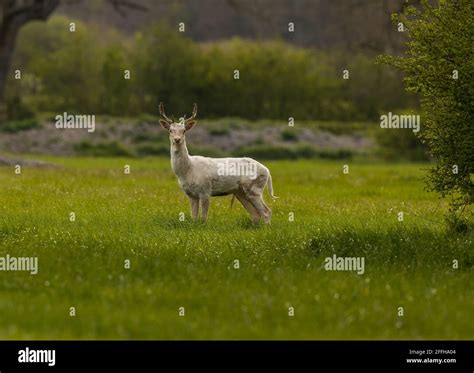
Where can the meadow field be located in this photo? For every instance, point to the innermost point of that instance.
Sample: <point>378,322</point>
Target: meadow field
<point>174,263</point>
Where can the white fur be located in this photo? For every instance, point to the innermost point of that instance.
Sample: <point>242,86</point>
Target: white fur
<point>201,178</point>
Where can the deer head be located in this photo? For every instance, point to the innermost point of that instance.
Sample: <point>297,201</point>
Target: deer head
<point>177,129</point>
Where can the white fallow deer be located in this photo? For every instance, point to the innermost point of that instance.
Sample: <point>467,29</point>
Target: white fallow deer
<point>202,177</point>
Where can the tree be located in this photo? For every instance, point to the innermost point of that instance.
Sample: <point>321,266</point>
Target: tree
<point>14,14</point>
<point>325,24</point>
<point>439,65</point>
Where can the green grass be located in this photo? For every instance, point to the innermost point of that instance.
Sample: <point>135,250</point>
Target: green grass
<point>190,264</point>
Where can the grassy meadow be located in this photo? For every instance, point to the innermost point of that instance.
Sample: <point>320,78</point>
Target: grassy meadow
<point>189,264</point>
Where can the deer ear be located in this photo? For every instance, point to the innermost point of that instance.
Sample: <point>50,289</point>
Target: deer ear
<point>165,124</point>
<point>190,124</point>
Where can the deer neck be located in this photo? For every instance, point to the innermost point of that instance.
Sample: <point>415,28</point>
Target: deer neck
<point>180,161</point>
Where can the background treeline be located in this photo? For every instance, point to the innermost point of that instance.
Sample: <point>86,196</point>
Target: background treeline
<point>80,72</point>
<point>363,25</point>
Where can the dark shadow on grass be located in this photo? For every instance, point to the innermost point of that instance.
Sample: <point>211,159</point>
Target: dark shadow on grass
<point>409,248</point>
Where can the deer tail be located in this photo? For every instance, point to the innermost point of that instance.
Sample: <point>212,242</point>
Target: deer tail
<point>270,186</point>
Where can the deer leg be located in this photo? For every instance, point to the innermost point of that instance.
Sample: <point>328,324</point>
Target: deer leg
<point>194,207</point>
<point>205,207</point>
<point>267,209</point>
<point>253,193</point>
<point>249,207</point>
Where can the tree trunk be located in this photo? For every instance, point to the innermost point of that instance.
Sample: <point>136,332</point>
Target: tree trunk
<point>7,43</point>
<point>13,15</point>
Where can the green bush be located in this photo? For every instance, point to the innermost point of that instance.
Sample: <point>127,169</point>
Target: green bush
<point>205,151</point>
<point>277,80</point>
<point>148,118</point>
<point>400,144</point>
<point>164,150</point>
<point>341,128</point>
<point>289,135</point>
<point>218,131</point>
<point>144,136</point>
<point>335,154</point>
<point>458,224</point>
<point>153,149</point>
<point>19,125</point>
<point>276,152</point>
<point>225,122</point>
<point>17,109</point>
<point>64,66</point>
<point>439,66</point>
<point>266,152</point>
<point>117,89</point>
<point>270,152</point>
<point>168,68</point>
<point>103,149</point>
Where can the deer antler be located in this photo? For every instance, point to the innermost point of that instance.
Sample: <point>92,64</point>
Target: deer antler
<point>193,116</point>
<point>162,113</point>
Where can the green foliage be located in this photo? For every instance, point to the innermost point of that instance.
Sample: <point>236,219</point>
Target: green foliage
<point>76,72</point>
<point>153,149</point>
<point>17,109</point>
<point>65,66</point>
<point>71,71</point>
<point>148,118</point>
<point>226,123</point>
<point>275,79</point>
<point>167,67</point>
<point>117,89</point>
<point>205,151</point>
<point>289,135</point>
<point>458,224</point>
<point>103,149</point>
<point>13,126</point>
<point>440,44</point>
<point>272,152</point>
<point>370,89</point>
<point>219,131</point>
<point>400,144</point>
<point>341,128</point>
<point>301,151</point>
<point>335,154</point>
